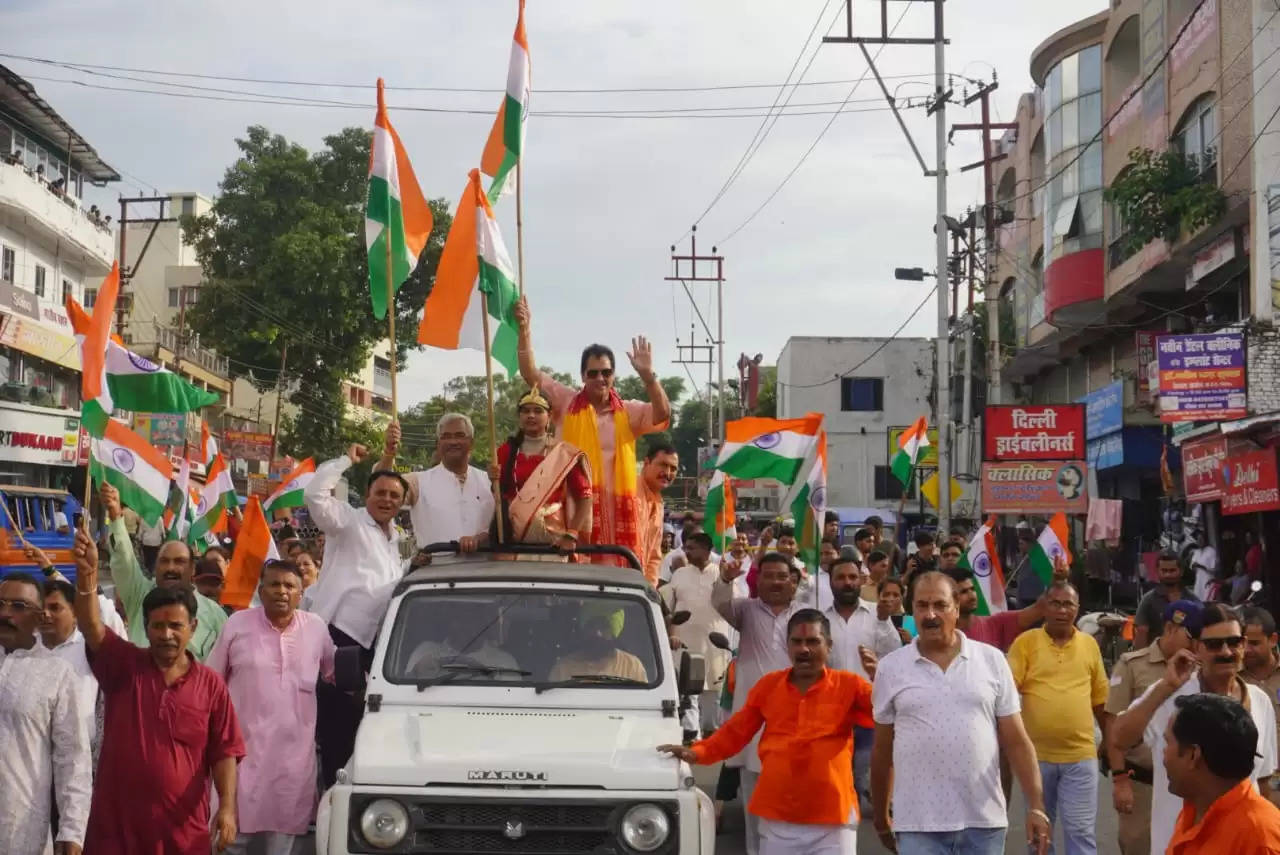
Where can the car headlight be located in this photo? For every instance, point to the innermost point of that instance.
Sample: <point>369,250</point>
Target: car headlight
<point>384,823</point>
<point>645,827</point>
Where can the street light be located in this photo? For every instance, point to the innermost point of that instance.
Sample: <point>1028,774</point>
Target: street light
<point>911,274</point>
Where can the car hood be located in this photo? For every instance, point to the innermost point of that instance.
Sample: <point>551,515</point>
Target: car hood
<point>515,747</point>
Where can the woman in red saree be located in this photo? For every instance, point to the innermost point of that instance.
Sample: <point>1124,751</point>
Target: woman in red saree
<point>546,482</point>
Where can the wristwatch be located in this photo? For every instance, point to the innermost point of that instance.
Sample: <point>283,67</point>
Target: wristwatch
<point>48,570</point>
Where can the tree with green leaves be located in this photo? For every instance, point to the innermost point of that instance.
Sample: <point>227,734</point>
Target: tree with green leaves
<point>286,281</point>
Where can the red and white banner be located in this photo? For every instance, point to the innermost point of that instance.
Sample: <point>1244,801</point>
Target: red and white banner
<point>1252,484</point>
<point>1054,432</point>
<point>1202,463</point>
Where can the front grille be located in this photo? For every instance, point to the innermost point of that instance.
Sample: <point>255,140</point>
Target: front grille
<point>446,826</point>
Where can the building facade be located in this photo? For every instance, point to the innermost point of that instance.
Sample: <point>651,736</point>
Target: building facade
<point>868,389</point>
<point>1083,310</point>
<point>51,246</point>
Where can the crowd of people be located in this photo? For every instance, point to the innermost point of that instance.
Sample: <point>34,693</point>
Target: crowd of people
<point>157,722</point>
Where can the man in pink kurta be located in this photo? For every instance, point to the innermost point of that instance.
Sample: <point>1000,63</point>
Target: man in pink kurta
<point>270,658</point>
<point>598,375</point>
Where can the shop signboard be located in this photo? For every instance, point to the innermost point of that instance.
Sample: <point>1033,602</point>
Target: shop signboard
<point>15,301</point>
<point>1146,342</point>
<point>1106,451</point>
<point>1053,432</point>
<point>246,445</point>
<point>928,459</point>
<point>1250,482</point>
<point>1104,410</point>
<point>163,430</point>
<point>30,336</point>
<point>1035,488</point>
<point>1202,377</point>
<point>1202,467</point>
<point>258,485</point>
<point>37,435</point>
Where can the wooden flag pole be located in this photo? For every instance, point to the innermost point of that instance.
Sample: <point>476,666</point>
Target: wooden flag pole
<point>391,322</point>
<point>520,227</point>
<point>493,431</point>
<point>17,529</point>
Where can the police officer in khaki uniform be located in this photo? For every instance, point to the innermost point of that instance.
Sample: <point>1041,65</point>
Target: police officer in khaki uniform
<point>1134,674</point>
<point>1261,664</point>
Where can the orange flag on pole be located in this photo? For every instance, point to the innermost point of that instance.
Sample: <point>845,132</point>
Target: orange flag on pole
<point>254,548</point>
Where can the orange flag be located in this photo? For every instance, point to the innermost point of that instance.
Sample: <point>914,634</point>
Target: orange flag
<point>254,548</point>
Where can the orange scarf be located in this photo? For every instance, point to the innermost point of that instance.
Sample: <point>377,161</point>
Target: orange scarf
<point>579,429</point>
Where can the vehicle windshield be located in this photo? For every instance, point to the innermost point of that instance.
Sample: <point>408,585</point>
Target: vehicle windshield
<point>523,637</point>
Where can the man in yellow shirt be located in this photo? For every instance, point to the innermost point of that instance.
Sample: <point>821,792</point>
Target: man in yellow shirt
<point>1059,673</point>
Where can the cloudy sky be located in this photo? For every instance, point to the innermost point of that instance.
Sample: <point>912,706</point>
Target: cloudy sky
<point>604,197</point>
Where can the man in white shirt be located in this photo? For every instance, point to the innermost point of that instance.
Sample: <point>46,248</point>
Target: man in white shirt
<point>362,565</point>
<point>152,538</point>
<point>1219,657</point>
<point>452,500</point>
<point>44,743</point>
<point>946,709</point>
<point>690,590</point>
<point>1204,560</point>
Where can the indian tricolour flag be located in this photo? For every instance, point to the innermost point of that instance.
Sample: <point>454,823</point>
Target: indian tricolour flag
<point>983,559</point>
<point>136,383</point>
<point>474,262</point>
<point>1050,548</point>
<point>808,502</point>
<point>179,513</point>
<point>768,448</point>
<point>506,139</point>
<point>127,462</point>
<point>95,390</point>
<point>289,493</point>
<point>718,519</point>
<point>218,495</point>
<point>396,212</point>
<point>911,446</point>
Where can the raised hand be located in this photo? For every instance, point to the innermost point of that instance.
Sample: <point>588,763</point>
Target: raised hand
<point>357,452</point>
<point>1180,668</point>
<point>36,554</point>
<point>110,498</point>
<point>392,442</point>
<point>869,660</point>
<point>85,553</point>
<point>641,356</point>
<point>522,314</point>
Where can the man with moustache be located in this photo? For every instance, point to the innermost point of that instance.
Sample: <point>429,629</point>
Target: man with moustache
<point>1000,629</point>
<point>857,625</point>
<point>1059,673</point>
<point>1218,657</point>
<point>44,740</point>
<point>270,658</point>
<point>761,623</point>
<point>1131,772</point>
<point>1148,619</point>
<point>661,465</point>
<point>174,567</point>
<point>168,727</point>
<point>946,708</point>
<point>803,801</point>
<point>362,561</point>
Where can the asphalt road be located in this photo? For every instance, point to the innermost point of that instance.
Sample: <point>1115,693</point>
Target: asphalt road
<point>731,840</point>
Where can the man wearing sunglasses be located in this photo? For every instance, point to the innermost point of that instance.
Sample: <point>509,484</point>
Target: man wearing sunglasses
<point>597,420</point>
<point>1214,668</point>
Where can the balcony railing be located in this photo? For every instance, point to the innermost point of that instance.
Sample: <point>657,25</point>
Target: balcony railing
<point>189,350</point>
<point>55,209</point>
<point>381,380</point>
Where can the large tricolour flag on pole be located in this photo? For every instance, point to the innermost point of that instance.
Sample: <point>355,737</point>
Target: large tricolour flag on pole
<point>506,138</point>
<point>808,502</point>
<point>178,514</point>
<point>983,559</point>
<point>718,519</point>
<point>395,211</point>
<point>254,548</point>
<point>127,462</point>
<point>474,260</point>
<point>1051,547</point>
<point>95,391</point>
<point>289,493</point>
<point>768,448</point>
<point>911,446</point>
<point>136,383</point>
<point>218,495</point>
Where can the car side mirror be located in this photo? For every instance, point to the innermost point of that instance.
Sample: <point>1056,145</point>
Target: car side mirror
<point>719,640</point>
<point>680,617</point>
<point>348,669</point>
<point>692,675</point>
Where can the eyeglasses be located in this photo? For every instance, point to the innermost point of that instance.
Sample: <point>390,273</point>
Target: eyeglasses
<point>19,606</point>
<point>1233,641</point>
<point>595,373</point>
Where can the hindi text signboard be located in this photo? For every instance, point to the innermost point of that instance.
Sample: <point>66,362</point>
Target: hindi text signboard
<point>1053,432</point>
<point>1034,488</point>
<point>1202,377</point>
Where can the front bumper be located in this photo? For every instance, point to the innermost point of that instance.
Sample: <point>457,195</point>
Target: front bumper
<point>449,820</point>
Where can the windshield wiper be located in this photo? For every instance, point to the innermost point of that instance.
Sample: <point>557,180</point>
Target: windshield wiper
<point>453,669</point>
<point>589,678</point>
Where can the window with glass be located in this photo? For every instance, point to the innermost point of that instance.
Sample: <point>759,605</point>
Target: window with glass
<point>173,298</point>
<point>1072,156</point>
<point>1197,140</point>
<point>41,273</point>
<point>90,297</point>
<point>529,637</point>
<point>68,290</point>
<point>8,260</point>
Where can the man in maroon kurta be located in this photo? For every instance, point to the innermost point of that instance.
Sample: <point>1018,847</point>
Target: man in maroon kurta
<point>168,726</point>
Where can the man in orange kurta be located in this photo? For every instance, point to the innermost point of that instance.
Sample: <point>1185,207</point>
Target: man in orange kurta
<point>597,420</point>
<point>660,467</point>
<point>804,798</point>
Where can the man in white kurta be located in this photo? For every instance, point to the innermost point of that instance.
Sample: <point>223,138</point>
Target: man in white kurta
<point>44,741</point>
<point>690,590</point>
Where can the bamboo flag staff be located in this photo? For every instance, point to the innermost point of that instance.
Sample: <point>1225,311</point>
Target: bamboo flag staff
<point>397,223</point>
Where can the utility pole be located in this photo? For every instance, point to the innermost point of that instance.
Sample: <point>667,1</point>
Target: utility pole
<point>938,107</point>
<point>716,339</point>
<point>125,301</point>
